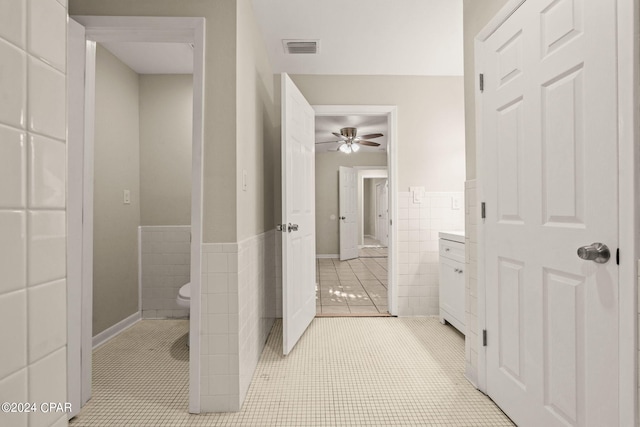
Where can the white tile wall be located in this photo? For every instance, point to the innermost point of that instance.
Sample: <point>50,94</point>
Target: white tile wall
<point>46,97</point>
<point>47,23</point>
<point>14,389</point>
<point>13,85</point>
<point>12,21</point>
<point>13,168</point>
<point>32,216</point>
<point>13,250</point>
<point>165,266</point>
<point>219,354</point>
<point>47,305</point>
<point>257,304</point>
<point>238,310</point>
<point>47,166</point>
<point>47,246</point>
<point>471,281</point>
<point>418,226</point>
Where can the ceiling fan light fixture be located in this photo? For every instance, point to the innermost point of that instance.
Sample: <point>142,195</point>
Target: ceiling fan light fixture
<point>345,148</point>
<point>349,147</point>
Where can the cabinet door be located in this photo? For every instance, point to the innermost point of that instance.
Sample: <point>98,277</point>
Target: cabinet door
<point>452,292</point>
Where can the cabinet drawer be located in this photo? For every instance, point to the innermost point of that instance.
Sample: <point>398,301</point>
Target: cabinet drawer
<point>452,250</point>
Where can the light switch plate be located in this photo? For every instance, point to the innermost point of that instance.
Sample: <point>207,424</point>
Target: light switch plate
<point>126,197</point>
<point>456,202</point>
<point>244,180</point>
<point>418,194</point>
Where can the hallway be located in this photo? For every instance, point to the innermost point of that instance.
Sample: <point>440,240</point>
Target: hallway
<point>352,288</point>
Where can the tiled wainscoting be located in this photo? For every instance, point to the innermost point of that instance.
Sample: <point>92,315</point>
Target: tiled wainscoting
<point>419,222</point>
<point>256,293</point>
<point>33,288</point>
<point>471,281</point>
<point>233,335</point>
<point>165,265</point>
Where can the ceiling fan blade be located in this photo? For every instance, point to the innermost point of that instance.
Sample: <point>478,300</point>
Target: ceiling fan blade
<point>328,142</point>
<point>371,135</point>
<point>338,135</point>
<point>369,143</point>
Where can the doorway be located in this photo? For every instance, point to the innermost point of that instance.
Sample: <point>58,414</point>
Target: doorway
<point>84,33</point>
<point>360,281</point>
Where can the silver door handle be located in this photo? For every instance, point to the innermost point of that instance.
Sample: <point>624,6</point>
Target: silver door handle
<point>597,252</point>
<point>293,227</point>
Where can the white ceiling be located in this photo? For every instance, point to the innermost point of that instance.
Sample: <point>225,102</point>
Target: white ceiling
<point>366,37</point>
<point>154,58</point>
<point>365,124</point>
<point>393,37</point>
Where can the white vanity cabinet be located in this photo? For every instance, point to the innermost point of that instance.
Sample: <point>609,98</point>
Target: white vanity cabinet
<point>452,289</point>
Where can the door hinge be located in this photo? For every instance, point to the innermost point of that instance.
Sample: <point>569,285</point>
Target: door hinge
<point>484,337</point>
<point>483,210</point>
<point>481,77</point>
<point>618,256</point>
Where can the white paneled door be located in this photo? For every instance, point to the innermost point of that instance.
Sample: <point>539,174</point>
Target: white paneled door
<point>550,169</point>
<point>348,198</point>
<point>298,210</point>
<point>382,212</point>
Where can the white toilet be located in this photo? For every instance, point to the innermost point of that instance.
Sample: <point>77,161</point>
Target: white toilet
<point>184,296</point>
<point>184,299</point>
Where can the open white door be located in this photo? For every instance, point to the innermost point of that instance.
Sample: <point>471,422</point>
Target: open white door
<point>80,238</point>
<point>382,214</point>
<point>550,180</point>
<point>348,182</point>
<point>298,210</point>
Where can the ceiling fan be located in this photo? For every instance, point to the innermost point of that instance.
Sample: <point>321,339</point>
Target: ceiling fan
<point>350,142</point>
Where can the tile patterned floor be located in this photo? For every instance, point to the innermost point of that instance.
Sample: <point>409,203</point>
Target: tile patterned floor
<point>343,372</point>
<point>351,288</point>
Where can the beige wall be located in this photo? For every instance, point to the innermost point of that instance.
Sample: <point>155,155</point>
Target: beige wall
<point>166,104</point>
<point>116,168</point>
<point>327,203</point>
<point>257,128</point>
<point>476,14</point>
<point>430,121</point>
<point>219,158</point>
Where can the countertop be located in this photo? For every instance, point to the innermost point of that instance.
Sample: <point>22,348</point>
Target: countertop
<point>456,236</point>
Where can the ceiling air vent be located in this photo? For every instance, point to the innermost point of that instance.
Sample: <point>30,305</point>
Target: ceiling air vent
<point>297,47</point>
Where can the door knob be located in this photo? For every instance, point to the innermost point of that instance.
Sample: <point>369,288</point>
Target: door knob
<point>293,227</point>
<point>343,217</point>
<point>597,252</point>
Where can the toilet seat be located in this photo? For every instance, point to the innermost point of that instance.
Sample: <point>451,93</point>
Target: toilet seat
<point>184,296</point>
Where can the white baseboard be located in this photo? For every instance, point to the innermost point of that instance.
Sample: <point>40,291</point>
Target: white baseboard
<point>327,255</point>
<point>114,330</point>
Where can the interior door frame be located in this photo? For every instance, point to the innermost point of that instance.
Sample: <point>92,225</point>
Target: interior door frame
<point>628,200</point>
<point>391,111</point>
<point>135,29</point>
